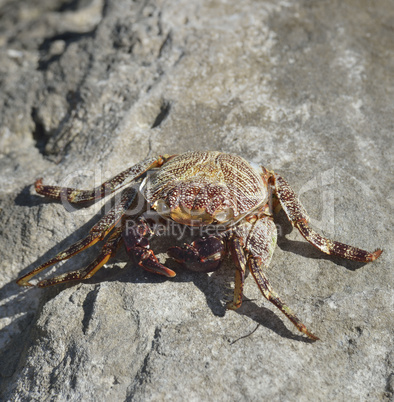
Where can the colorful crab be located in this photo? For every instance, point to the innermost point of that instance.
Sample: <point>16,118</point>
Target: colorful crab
<point>203,189</point>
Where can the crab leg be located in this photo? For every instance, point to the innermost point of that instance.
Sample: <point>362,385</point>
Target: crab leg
<point>108,250</point>
<point>260,244</point>
<point>79,196</point>
<point>299,218</point>
<point>97,233</point>
<point>272,296</point>
<point>240,262</point>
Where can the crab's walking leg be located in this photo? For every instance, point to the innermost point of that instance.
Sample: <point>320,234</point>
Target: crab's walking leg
<point>108,250</point>
<point>260,245</point>
<point>299,218</point>
<point>136,240</point>
<point>97,233</point>
<point>79,196</point>
<point>240,261</point>
<point>272,296</point>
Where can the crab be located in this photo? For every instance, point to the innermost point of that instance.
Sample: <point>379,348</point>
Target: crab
<point>198,189</point>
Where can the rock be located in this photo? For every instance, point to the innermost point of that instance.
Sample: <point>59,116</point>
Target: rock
<point>91,88</point>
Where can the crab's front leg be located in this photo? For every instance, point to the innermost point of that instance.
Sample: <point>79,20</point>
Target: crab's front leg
<point>77,196</point>
<point>259,240</point>
<point>238,254</point>
<point>136,240</point>
<point>98,232</point>
<point>299,218</point>
<point>203,255</point>
<point>107,251</point>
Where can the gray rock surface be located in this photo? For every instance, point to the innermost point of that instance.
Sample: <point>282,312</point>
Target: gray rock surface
<point>89,88</point>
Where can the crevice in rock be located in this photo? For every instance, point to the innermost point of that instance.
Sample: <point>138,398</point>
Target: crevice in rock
<point>72,5</point>
<point>60,138</point>
<point>39,132</point>
<point>165,108</point>
<point>88,308</point>
<point>144,372</point>
<point>389,390</point>
<point>145,369</point>
<point>68,37</point>
<point>167,44</point>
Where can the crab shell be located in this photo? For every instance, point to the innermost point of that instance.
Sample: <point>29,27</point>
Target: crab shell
<point>201,188</point>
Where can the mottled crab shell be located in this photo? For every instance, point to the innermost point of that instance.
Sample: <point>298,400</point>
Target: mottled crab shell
<point>200,188</point>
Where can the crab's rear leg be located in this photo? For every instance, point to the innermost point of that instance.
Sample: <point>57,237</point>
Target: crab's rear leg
<point>97,233</point>
<point>238,255</point>
<point>76,196</point>
<point>259,246</point>
<point>299,218</point>
<point>107,251</point>
<point>255,267</point>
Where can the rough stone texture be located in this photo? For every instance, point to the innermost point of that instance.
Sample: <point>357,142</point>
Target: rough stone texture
<point>89,88</point>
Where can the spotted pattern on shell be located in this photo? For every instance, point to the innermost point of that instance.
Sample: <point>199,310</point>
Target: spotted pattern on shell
<point>207,181</point>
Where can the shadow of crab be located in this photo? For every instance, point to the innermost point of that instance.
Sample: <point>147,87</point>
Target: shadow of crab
<point>215,286</point>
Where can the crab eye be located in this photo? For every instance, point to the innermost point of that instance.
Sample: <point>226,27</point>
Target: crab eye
<point>224,215</point>
<point>162,208</point>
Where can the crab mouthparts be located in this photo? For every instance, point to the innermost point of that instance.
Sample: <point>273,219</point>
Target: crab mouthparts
<point>193,217</point>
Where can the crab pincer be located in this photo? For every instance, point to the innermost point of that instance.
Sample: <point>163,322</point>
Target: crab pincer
<point>203,255</point>
<point>136,240</point>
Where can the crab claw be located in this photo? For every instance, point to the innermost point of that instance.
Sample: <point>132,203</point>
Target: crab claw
<point>136,241</point>
<point>203,255</point>
<point>146,259</point>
